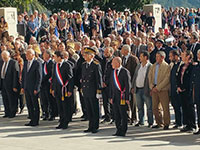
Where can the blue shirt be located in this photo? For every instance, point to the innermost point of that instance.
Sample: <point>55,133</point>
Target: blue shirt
<point>156,74</point>
<point>32,25</point>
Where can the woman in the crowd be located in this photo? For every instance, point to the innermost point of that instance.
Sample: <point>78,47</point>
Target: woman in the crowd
<point>3,28</point>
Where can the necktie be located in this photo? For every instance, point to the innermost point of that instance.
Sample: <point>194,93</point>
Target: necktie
<point>124,61</point>
<point>117,71</point>
<point>28,66</point>
<point>87,65</point>
<point>4,70</point>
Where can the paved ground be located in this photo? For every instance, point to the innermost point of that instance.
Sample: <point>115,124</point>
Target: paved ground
<point>15,136</point>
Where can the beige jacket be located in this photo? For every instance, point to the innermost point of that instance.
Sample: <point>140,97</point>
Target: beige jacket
<point>163,80</point>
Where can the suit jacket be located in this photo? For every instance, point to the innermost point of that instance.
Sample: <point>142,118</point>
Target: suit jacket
<point>107,72</point>
<point>125,82</point>
<point>91,79</point>
<point>187,78</point>
<point>146,80</point>
<point>11,79</point>
<point>45,78</point>
<point>194,48</point>
<point>163,79</point>
<point>131,65</point>
<point>67,74</point>
<point>31,80</point>
<point>196,82</point>
<point>141,48</point>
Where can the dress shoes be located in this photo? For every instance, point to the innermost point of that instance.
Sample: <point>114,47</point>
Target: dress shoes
<point>186,129</point>
<point>197,132</point>
<point>166,128</point>
<point>139,124</point>
<point>64,127</point>
<point>59,127</point>
<point>156,127</point>
<point>88,130</point>
<point>29,124</point>
<point>5,116</point>
<point>95,131</point>
<point>51,118</point>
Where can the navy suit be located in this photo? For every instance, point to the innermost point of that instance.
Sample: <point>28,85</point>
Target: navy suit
<point>195,87</point>
<point>10,81</point>
<point>64,106</point>
<point>31,81</point>
<point>120,111</point>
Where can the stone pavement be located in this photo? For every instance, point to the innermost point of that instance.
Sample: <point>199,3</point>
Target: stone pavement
<point>15,136</point>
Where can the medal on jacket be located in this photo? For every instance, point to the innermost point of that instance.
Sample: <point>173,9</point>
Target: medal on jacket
<point>118,85</point>
<point>60,79</point>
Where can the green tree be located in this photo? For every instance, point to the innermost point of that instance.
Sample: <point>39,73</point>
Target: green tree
<point>57,5</point>
<point>119,4</point>
<point>23,5</point>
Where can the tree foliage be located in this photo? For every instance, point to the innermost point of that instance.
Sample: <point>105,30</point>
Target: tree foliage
<point>24,5</point>
<point>57,5</point>
<point>119,4</point>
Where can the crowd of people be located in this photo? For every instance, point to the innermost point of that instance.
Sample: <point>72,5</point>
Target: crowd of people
<point>109,56</point>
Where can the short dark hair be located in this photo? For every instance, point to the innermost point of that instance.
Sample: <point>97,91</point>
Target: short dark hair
<point>175,52</point>
<point>145,54</point>
<point>59,54</point>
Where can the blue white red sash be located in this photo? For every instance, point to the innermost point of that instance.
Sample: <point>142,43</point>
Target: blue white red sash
<point>60,79</point>
<point>117,83</point>
<point>45,71</point>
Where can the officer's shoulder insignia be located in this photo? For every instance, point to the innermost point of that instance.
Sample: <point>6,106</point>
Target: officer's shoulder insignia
<point>96,62</point>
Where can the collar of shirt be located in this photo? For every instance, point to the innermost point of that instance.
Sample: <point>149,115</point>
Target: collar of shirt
<point>90,62</point>
<point>48,60</point>
<point>119,69</point>
<point>61,62</point>
<point>126,57</point>
<point>31,61</point>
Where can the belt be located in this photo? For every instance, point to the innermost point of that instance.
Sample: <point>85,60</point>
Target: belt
<point>139,87</point>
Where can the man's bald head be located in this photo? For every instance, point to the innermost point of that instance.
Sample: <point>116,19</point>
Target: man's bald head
<point>116,62</point>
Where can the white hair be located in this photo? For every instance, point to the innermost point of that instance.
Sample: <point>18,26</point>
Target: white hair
<point>31,51</point>
<point>6,53</point>
<point>126,47</point>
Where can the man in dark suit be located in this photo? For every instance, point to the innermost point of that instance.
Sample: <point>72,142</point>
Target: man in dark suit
<point>77,78</point>
<point>31,82</point>
<point>175,97</point>
<point>48,103</point>
<point>91,84</point>
<point>195,45</point>
<point>9,84</point>
<point>62,74</point>
<point>120,92</point>
<point>130,62</point>
<point>195,88</point>
<point>108,54</point>
<point>158,47</point>
<point>138,47</point>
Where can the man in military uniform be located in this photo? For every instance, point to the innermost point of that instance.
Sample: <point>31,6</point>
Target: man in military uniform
<point>91,83</point>
<point>120,91</point>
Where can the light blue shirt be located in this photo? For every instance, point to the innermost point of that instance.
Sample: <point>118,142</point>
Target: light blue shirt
<point>156,74</point>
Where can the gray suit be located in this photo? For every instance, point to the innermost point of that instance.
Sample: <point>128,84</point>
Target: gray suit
<point>135,51</point>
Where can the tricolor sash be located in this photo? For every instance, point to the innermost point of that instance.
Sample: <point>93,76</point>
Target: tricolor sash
<point>118,85</point>
<point>60,79</point>
<point>45,71</point>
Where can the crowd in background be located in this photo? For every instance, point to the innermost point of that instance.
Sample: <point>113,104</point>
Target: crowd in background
<point>164,66</point>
